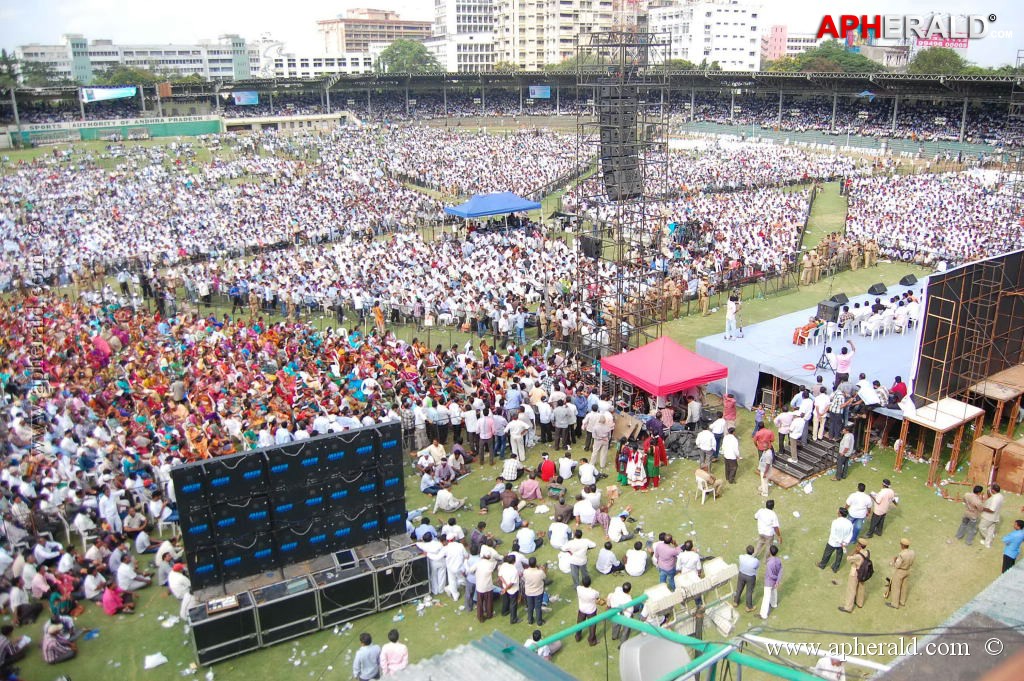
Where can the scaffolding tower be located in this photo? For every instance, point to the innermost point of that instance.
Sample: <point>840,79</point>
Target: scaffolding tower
<point>1015,183</point>
<point>620,261</point>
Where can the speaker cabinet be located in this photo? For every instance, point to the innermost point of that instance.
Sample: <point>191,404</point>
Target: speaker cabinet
<point>392,518</point>
<point>203,566</point>
<point>247,555</point>
<point>286,610</point>
<point>622,184</point>
<point>238,476</point>
<point>351,490</point>
<point>590,246</point>
<point>828,310</point>
<point>295,465</point>
<point>400,576</point>
<point>345,594</point>
<point>392,487</point>
<point>189,485</point>
<point>908,280</point>
<point>196,526</point>
<point>877,289</point>
<point>226,634</point>
<point>233,519</point>
<point>840,298</point>
<point>389,444</point>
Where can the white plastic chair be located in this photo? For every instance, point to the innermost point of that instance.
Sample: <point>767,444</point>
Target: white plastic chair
<point>704,489</point>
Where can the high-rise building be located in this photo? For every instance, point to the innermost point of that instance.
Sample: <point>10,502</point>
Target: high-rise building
<point>462,37</point>
<point>723,31</point>
<point>228,58</point>
<point>533,33</point>
<point>359,28</point>
<point>778,42</point>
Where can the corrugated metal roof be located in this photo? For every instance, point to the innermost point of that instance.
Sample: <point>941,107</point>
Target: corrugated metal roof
<point>495,658</point>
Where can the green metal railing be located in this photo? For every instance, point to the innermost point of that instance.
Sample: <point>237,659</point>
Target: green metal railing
<point>710,653</point>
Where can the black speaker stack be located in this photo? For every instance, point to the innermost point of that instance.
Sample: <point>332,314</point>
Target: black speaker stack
<point>351,589</point>
<point>251,513</point>
<point>617,109</point>
<point>828,310</point>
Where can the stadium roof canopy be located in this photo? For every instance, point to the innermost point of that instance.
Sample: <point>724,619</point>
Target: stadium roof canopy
<point>988,88</point>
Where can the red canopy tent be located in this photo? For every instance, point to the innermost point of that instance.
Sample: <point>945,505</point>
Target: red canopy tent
<point>664,367</point>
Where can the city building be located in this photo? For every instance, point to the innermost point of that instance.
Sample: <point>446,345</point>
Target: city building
<point>534,33</point>
<point>359,28</point>
<point>276,62</point>
<point>778,42</point>
<point>723,31</point>
<point>462,37</point>
<point>228,58</point>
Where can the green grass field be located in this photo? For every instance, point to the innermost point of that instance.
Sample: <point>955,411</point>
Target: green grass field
<point>944,578</point>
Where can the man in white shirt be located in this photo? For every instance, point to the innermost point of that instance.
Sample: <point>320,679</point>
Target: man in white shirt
<point>768,529</point>
<point>127,578</point>
<point>587,472</point>
<point>731,454</point>
<point>705,442</point>
<point>587,598</point>
<point>508,580</point>
<point>820,413</point>
<point>584,511</point>
<point>607,562</point>
<point>436,567</point>
<point>455,556</point>
<point>510,519</point>
<point>636,560</point>
<point>859,504</point>
<point>617,530</point>
<point>617,599</point>
<point>178,582</point>
<point>528,539</point>
<point>796,433</point>
<point>566,466</point>
<point>839,536</point>
<point>558,535</point>
<point>577,548</point>
<point>688,560</point>
<point>717,428</point>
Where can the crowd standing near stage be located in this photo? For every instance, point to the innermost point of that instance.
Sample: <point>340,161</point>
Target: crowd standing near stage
<point>140,380</point>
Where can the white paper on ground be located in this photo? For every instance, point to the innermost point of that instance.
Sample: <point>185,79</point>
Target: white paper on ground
<point>154,660</point>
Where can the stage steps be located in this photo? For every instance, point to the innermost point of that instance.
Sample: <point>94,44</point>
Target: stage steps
<point>814,458</point>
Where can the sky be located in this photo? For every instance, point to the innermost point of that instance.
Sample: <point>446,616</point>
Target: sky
<point>187,21</point>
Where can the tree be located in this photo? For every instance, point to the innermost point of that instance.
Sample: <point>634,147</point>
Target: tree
<point>506,67</point>
<point>119,74</point>
<point>407,56</point>
<point>680,65</point>
<point>39,74</point>
<point>782,65</point>
<point>937,61</point>
<point>8,69</point>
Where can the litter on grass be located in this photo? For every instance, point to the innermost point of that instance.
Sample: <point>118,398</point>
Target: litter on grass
<point>154,660</point>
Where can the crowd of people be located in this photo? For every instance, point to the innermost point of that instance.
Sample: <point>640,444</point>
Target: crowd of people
<point>930,218</point>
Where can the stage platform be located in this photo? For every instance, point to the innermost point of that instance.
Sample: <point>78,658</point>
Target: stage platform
<point>767,348</point>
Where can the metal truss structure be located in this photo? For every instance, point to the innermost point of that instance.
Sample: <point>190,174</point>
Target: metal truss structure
<point>1015,179</point>
<point>620,74</point>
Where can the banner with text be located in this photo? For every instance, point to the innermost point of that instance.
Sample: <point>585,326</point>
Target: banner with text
<point>540,92</point>
<point>100,94</point>
<point>246,98</point>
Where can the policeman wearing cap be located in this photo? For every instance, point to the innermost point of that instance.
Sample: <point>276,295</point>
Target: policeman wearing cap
<point>901,564</point>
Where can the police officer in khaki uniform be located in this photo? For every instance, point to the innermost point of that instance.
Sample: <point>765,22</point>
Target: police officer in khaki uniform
<point>855,257</point>
<point>901,564</point>
<point>855,587</point>
<point>806,267</point>
<point>704,296</point>
<point>816,263</point>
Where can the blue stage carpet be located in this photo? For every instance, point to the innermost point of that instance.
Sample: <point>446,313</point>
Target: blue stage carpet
<point>768,348</point>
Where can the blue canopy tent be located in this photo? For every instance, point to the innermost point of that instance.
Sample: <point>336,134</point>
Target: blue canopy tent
<point>484,205</point>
